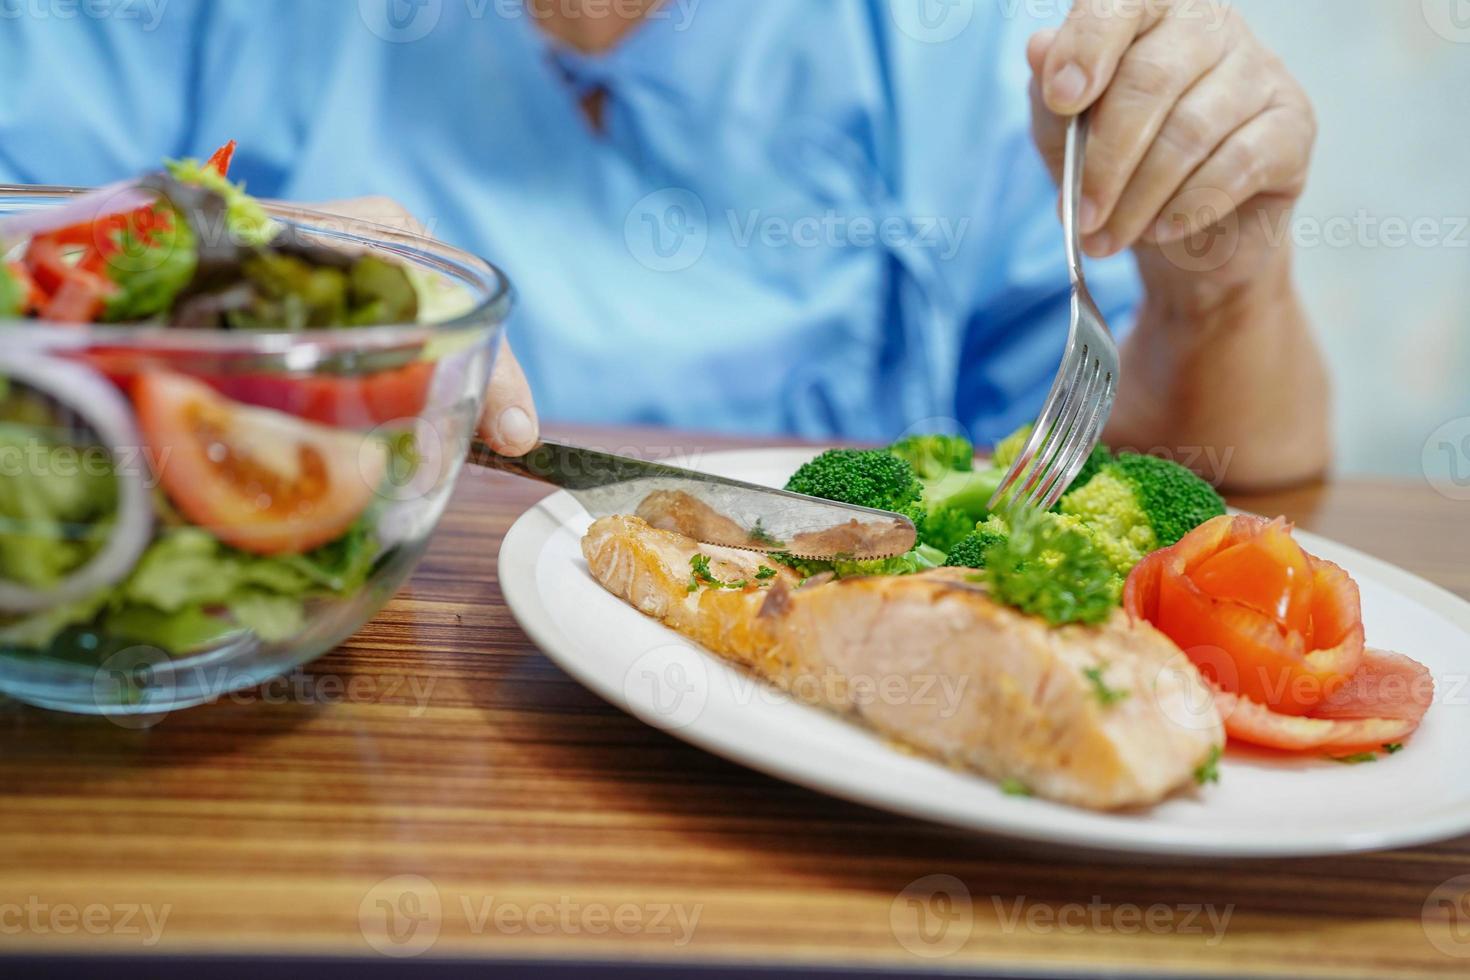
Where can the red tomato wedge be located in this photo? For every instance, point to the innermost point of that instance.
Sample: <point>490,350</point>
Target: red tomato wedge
<point>360,402</point>
<point>257,479</point>
<point>1383,702</point>
<point>1279,634</point>
<point>1288,624</point>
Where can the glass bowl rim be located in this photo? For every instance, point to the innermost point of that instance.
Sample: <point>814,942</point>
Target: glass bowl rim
<point>411,247</point>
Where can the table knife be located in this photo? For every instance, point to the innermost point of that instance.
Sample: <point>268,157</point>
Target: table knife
<point>710,509</point>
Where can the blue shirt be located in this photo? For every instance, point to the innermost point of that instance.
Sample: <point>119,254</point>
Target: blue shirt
<point>822,217</point>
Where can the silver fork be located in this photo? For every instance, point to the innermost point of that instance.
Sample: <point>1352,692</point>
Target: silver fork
<point>1081,397</point>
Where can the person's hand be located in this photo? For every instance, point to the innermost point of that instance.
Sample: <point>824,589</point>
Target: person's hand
<point>1200,139</point>
<point>508,422</point>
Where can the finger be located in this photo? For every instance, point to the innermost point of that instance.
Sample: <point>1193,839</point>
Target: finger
<point>1088,48</point>
<point>1205,116</point>
<point>1047,128</point>
<point>1268,155</point>
<point>1154,74</point>
<point>509,423</point>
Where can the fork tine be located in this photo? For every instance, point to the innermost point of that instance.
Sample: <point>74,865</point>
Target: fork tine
<point>1083,438</point>
<point>1057,435</point>
<point>1024,464</point>
<point>1080,404</point>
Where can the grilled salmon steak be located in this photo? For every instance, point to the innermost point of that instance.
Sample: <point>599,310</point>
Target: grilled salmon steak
<point>1105,717</point>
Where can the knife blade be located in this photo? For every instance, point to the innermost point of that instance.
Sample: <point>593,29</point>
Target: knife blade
<point>711,509</point>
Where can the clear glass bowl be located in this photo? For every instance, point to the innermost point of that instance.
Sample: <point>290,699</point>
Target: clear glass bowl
<point>340,389</point>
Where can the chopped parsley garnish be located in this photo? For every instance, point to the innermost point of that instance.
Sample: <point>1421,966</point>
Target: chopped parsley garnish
<point>1209,770</point>
<point>1355,758</point>
<point>759,535</point>
<point>1392,747</point>
<point>764,573</point>
<point>702,577</point>
<point>1014,787</point>
<point>1108,696</point>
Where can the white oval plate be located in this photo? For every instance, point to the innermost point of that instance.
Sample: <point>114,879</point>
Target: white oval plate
<point>1263,806</point>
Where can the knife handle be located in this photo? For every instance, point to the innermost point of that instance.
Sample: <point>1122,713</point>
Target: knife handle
<point>566,466</point>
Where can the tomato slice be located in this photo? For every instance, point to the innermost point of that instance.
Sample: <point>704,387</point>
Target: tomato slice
<point>257,479</point>
<point>1268,573</point>
<point>1382,702</point>
<point>360,402</point>
<point>1238,595</point>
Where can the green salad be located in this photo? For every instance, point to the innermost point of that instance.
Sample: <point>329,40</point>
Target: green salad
<point>141,503</point>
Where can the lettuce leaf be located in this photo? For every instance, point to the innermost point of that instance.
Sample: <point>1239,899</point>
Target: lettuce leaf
<point>188,588</point>
<point>248,221</point>
<point>150,273</point>
<point>56,507</point>
<point>12,297</point>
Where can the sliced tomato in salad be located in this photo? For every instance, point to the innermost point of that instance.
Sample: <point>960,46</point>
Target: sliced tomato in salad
<point>359,402</point>
<point>257,479</point>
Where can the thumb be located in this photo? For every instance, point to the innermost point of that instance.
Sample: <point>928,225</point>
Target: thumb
<point>509,422</point>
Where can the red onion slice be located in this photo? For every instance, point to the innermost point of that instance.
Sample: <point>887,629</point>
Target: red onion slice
<point>109,415</point>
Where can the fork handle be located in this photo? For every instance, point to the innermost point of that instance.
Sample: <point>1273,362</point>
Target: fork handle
<point>1076,153</point>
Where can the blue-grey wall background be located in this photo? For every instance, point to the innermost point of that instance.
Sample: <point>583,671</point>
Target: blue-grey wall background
<point>1391,81</point>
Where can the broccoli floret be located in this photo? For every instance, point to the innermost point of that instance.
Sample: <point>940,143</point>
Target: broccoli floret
<point>970,552</point>
<point>1175,499</point>
<point>1050,567</point>
<point>868,478</point>
<point>1010,447</point>
<point>1096,460</point>
<point>946,527</point>
<point>1136,504</point>
<point>932,456</point>
<point>865,477</point>
<point>954,494</point>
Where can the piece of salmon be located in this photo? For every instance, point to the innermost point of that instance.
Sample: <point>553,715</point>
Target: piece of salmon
<point>1103,717</point>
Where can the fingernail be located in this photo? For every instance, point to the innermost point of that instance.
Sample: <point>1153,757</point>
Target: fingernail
<point>1067,86</point>
<point>1088,216</point>
<point>515,428</point>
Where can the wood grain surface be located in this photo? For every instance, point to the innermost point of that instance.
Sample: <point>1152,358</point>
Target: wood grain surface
<point>437,786</point>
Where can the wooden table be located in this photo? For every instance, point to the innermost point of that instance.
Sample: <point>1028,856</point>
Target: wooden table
<point>439,744</point>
